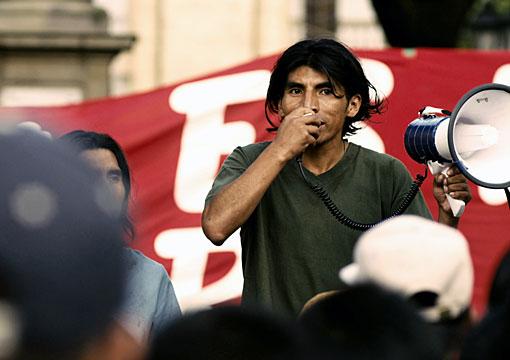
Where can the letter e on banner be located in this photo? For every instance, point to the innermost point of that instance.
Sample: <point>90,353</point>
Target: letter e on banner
<point>205,138</point>
<point>205,135</point>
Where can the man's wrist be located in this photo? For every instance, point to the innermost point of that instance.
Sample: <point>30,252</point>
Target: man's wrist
<point>447,218</point>
<point>279,153</point>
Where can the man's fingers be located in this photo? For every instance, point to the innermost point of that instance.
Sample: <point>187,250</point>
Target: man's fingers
<point>458,178</point>
<point>453,170</point>
<point>461,195</point>
<point>457,187</point>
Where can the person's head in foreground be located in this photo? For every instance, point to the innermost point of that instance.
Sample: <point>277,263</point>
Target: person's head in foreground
<point>368,322</point>
<point>60,251</point>
<point>490,338</point>
<point>427,262</point>
<point>234,333</point>
<point>500,287</point>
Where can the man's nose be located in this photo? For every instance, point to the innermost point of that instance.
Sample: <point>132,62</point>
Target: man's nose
<point>311,101</point>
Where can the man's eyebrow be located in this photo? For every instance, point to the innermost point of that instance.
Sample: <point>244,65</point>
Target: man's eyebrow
<point>291,84</point>
<point>324,84</point>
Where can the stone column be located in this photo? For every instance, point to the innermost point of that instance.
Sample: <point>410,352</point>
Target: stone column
<point>55,49</point>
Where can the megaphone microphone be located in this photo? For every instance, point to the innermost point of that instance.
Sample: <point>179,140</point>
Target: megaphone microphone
<point>475,137</point>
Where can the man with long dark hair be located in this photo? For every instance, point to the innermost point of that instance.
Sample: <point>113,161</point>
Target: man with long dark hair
<point>150,301</point>
<point>61,268</point>
<point>292,246</point>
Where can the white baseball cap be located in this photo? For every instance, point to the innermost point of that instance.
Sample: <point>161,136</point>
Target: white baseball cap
<point>411,254</point>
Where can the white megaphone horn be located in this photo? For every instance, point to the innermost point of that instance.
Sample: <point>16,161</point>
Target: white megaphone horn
<point>475,137</point>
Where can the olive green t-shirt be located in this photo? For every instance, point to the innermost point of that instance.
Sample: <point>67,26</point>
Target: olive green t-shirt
<point>292,247</point>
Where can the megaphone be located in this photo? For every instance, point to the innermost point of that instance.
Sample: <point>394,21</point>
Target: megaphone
<point>475,137</point>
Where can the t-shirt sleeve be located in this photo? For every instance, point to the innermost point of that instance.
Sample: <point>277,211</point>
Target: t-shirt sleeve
<point>167,306</point>
<point>235,164</point>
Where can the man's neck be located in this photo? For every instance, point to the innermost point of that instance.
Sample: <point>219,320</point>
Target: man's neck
<point>321,158</point>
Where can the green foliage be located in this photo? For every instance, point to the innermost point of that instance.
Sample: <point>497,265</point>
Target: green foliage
<point>502,7</point>
<point>467,35</point>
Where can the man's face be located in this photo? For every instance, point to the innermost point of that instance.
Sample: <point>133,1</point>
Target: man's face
<point>104,161</point>
<point>309,88</point>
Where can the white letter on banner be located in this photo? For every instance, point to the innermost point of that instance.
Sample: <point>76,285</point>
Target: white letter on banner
<point>496,197</point>
<point>205,138</point>
<point>189,250</point>
<point>205,135</point>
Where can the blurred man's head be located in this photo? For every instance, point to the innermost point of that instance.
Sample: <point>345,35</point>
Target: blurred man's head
<point>427,262</point>
<point>500,288</point>
<point>105,155</point>
<point>60,247</point>
<point>368,322</point>
<point>423,260</point>
<point>232,333</point>
<point>490,338</point>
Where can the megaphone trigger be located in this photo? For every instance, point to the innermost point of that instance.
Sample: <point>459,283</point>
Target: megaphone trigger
<point>436,167</point>
<point>456,205</point>
<point>433,112</point>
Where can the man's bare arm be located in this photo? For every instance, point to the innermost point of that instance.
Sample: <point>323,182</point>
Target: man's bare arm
<point>234,204</point>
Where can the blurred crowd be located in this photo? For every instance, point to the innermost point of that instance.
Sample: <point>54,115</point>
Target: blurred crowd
<point>70,289</point>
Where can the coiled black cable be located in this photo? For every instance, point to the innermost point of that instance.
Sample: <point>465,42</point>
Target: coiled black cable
<point>344,219</point>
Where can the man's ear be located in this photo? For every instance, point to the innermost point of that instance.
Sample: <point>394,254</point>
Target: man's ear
<point>354,105</point>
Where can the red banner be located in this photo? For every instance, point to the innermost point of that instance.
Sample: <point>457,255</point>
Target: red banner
<point>176,137</point>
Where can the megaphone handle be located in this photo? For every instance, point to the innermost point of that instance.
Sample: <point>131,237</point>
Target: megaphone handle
<point>456,205</point>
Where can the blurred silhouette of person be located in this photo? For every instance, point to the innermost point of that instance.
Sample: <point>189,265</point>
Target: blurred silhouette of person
<point>500,287</point>
<point>428,263</point>
<point>490,338</point>
<point>61,264</point>
<point>150,300</point>
<point>368,322</point>
<point>235,333</point>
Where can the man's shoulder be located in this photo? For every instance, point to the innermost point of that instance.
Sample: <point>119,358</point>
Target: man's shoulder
<point>251,151</point>
<point>255,148</point>
<point>142,263</point>
<point>376,156</point>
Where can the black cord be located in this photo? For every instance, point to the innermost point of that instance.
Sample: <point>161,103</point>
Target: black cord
<point>344,219</point>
